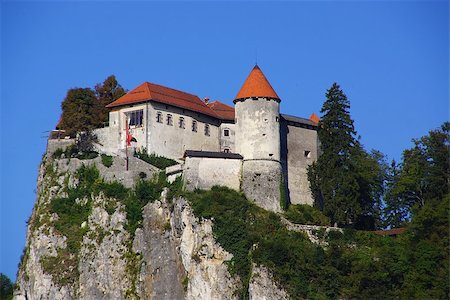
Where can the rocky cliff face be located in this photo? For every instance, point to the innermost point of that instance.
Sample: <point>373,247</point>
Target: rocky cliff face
<point>89,251</point>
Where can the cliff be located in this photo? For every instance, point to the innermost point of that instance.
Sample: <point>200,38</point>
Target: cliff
<point>99,232</point>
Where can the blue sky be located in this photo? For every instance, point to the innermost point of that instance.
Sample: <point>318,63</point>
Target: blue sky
<point>391,58</point>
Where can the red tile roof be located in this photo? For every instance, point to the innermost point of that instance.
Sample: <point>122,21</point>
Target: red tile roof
<point>256,85</point>
<point>158,93</point>
<point>390,232</point>
<point>315,118</point>
<point>225,112</point>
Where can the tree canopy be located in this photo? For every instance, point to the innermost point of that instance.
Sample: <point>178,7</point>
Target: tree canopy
<point>346,181</point>
<point>84,108</point>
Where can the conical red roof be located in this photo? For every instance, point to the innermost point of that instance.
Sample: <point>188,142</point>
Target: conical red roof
<point>256,85</point>
<point>315,118</point>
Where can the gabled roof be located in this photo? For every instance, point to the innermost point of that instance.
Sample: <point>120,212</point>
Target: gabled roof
<point>158,93</point>
<point>225,112</point>
<point>256,85</point>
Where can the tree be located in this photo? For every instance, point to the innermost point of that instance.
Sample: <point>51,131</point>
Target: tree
<point>106,93</point>
<point>6,287</point>
<point>422,177</point>
<point>77,111</point>
<point>346,182</point>
<point>85,109</point>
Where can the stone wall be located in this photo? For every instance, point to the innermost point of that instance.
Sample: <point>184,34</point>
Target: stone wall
<point>261,181</point>
<point>227,142</point>
<point>299,150</point>
<point>204,173</point>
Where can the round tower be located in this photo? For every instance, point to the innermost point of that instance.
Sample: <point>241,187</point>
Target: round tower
<point>257,110</point>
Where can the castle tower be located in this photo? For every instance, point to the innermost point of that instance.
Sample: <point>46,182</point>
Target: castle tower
<point>258,140</point>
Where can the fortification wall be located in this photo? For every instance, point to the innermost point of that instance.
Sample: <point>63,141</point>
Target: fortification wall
<point>302,150</point>
<point>227,142</point>
<point>204,173</point>
<point>261,183</point>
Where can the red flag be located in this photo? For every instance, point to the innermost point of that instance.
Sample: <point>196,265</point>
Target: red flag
<point>129,137</point>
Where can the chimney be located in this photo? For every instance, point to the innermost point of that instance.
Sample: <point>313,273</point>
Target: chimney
<point>206,100</point>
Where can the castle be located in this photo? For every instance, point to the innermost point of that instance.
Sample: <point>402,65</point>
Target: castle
<point>251,147</point>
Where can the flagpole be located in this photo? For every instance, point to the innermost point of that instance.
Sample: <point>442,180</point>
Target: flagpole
<point>126,141</point>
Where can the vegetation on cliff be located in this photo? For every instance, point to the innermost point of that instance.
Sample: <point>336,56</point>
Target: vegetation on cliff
<point>353,265</point>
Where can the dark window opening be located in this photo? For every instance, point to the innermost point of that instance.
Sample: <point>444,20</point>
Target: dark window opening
<point>194,126</point>
<point>169,120</point>
<point>135,118</point>
<point>159,117</point>
<point>206,129</point>
<point>307,154</point>
<point>226,132</point>
<point>181,122</point>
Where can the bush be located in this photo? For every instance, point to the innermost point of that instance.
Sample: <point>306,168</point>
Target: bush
<point>306,214</point>
<point>160,162</point>
<point>107,160</point>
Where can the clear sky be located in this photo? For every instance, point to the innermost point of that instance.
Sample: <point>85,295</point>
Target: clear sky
<point>391,58</point>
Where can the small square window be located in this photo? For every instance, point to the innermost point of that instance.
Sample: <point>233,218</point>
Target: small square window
<point>307,154</point>
<point>159,117</point>
<point>181,122</point>
<point>226,132</point>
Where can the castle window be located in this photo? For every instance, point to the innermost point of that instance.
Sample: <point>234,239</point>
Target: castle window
<point>307,154</point>
<point>181,122</point>
<point>206,129</point>
<point>277,119</point>
<point>226,132</point>
<point>135,118</point>
<point>226,150</point>
<point>159,117</point>
<point>169,120</point>
<point>194,126</point>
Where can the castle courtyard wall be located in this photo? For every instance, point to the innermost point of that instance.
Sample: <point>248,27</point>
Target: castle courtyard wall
<point>204,173</point>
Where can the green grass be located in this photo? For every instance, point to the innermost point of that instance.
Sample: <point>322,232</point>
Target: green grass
<point>107,160</point>
<point>160,162</point>
<point>306,214</point>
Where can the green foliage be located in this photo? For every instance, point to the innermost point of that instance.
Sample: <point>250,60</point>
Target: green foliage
<point>354,265</point>
<point>6,287</point>
<point>107,160</point>
<point>158,161</point>
<point>107,92</point>
<point>74,152</point>
<point>347,183</point>
<point>84,108</point>
<point>306,214</point>
<point>422,177</point>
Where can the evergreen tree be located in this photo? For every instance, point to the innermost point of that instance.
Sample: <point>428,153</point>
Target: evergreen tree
<point>6,287</point>
<point>347,182</point>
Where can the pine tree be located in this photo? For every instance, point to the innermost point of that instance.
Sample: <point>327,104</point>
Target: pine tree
<point>347,182</point>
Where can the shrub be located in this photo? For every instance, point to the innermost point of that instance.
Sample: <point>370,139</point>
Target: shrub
<point>107,160</point>
<point>306,214</point>
<point>160,162</point>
